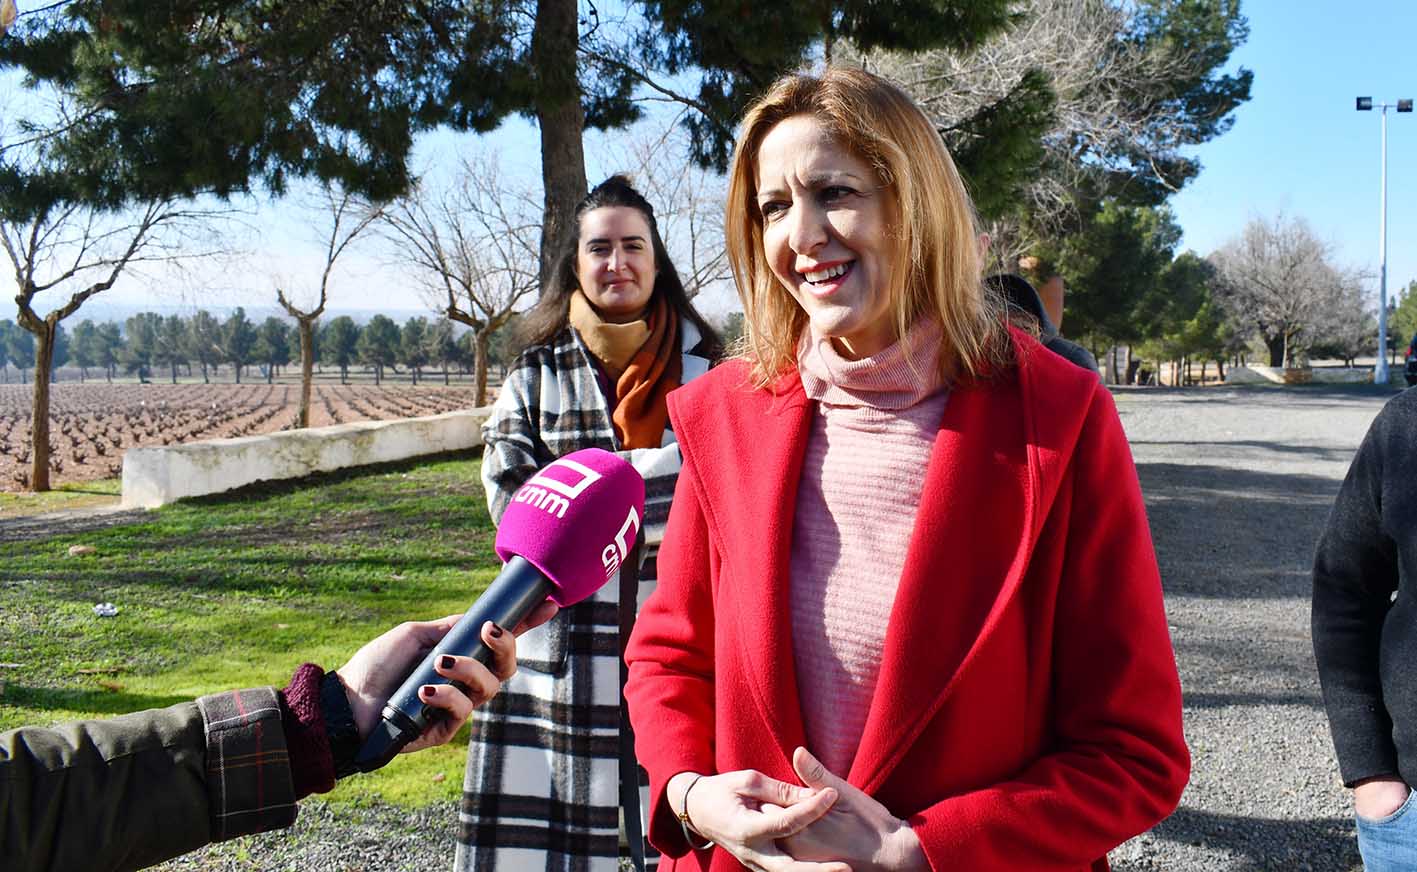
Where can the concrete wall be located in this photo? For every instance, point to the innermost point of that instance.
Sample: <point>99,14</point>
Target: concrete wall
<point>1253,374</point>
<point>154,476</point>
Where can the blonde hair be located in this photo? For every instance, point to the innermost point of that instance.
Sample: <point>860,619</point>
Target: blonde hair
<point>931,219</point>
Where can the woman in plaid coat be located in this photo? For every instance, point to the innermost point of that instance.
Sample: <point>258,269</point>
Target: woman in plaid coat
<point>607,343</point>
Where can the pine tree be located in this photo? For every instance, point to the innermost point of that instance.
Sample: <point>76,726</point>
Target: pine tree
<point>85,347</point>
<point>238,341</point>
<point>378,345</point>
<point>413,346</point>
<point>204,342</point>
<point>273,345</point>
<point>171,348</point>
<point>140,343</point>
<point>178,99</point>
<point>339,345</point>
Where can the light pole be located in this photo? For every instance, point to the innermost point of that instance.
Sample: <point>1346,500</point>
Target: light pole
<point>1365,104</point>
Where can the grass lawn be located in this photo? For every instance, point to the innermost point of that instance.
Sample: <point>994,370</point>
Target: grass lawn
<point>237,591</point>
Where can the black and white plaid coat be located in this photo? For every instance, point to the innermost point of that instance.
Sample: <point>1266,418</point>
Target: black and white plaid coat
<point>541,791</point>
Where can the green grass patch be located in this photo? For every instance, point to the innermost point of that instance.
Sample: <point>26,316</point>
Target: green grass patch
<point>237,591</point>
<point>70,495</point>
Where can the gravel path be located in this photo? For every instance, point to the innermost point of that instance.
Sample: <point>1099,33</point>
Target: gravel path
<point>1238,483</point>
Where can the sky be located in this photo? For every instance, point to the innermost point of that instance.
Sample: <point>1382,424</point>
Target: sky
<point>1298,147</point>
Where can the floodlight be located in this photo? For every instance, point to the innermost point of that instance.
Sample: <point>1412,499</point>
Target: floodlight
<point>1380,375</point>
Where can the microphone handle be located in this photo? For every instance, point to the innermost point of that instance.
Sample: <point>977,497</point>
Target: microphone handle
<point>517,589</point>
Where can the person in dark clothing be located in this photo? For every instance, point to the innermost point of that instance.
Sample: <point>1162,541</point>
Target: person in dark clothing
<point>1365,634</point>
<point>127,792</point>
<point>1019,294</point>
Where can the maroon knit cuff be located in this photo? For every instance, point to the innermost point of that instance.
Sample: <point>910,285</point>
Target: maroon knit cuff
<point>312,766</point>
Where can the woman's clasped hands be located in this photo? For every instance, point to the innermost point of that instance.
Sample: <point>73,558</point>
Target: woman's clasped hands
<point>828,825</point>
<point>856,829</point>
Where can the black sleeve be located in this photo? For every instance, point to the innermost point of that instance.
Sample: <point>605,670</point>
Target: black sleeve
<point>1355,576</point>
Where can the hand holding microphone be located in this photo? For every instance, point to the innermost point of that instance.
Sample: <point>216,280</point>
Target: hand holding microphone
<point>377,670</point>
<point>564,535</point>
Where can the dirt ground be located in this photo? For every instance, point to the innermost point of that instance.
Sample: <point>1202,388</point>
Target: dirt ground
<point>92,424</point>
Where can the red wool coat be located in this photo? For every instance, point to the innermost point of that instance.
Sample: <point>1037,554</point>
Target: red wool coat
<point>1028,711</point>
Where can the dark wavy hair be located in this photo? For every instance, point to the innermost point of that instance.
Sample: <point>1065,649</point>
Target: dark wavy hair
<point>551,313</point>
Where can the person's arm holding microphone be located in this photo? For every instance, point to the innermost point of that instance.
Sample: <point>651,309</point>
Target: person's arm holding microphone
<point>130,791</point>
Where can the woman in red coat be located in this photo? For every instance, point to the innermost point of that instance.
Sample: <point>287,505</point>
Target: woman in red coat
<point>909,615</point>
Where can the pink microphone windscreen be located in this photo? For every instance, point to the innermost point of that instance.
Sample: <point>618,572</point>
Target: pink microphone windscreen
<point>576,521</point>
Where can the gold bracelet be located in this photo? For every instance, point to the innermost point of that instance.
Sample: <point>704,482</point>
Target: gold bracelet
<point>685,824</point>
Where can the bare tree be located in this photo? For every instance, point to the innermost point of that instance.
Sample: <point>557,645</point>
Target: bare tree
<point>85,249</point>
<point>688,204</point>
<point>1115,113</point>
<point>1276,281</point>
<point>1346,328</point>
<point>474,246</point>
<point>348,217</point>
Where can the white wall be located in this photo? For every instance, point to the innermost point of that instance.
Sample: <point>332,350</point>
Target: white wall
<point>1255,374</point>
<point>155,476</point>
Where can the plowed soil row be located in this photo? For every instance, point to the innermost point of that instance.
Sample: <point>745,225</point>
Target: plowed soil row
<point>93,424</point>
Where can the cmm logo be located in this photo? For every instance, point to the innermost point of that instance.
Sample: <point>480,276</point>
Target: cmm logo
<point>552,495</point>
<point>614,553</point>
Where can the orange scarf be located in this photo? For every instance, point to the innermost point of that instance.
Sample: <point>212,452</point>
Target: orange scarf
<point>641,384</point>
<point>641,414</point>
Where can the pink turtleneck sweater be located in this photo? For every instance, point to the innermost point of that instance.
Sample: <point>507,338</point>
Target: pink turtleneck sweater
<point>875,423</point>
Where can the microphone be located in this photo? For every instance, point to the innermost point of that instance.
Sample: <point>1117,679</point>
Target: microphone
<point>563,536</point>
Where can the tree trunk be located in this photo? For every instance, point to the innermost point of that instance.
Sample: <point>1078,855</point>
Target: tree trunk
<point>39,410</point>
<point>237,367</point>
<point>270,373</point>
<point>445,374</point>
<point>307,369</point>
<point>344,373</point>
<point>1132,366</point>
<point>480,342</point>
<point>561,119</point>
<point>173,365</point>
<point>378,374</point>
<point>1276,349</point>
<point>206,380</point>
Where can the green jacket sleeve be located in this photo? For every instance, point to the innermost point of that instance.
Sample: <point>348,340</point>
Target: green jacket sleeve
<point>131,791</point>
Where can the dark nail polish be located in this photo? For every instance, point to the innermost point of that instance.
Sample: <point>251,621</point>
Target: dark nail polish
<point>496,632</point>
<point>447,661</point>
<point>425,692</point>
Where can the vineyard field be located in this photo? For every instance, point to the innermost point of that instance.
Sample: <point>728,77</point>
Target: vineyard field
<point>91,425</point>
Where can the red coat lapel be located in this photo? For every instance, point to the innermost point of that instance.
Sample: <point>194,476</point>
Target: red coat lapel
<point>755,497</point>
<point>966,558</point>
